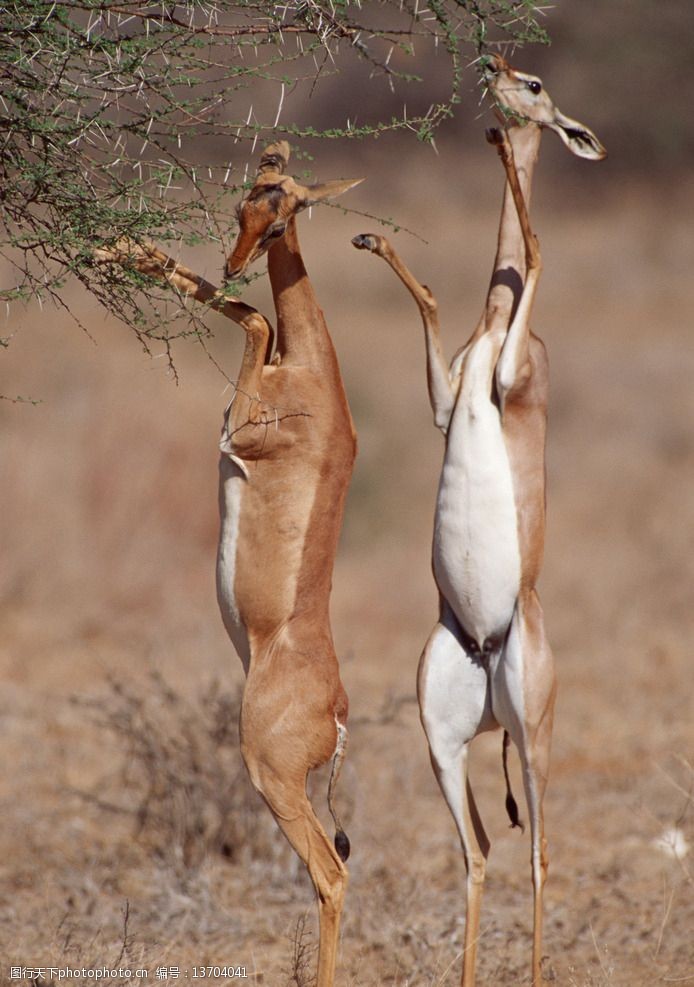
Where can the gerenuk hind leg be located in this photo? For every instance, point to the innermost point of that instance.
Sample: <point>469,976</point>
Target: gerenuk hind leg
<point>454,706</point>
<point>278,766</point>
<point>523,692</point>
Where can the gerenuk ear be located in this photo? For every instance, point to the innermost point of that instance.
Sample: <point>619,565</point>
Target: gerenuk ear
<point>326,190</point>
<point>577,137</point>
<point>275,158</point>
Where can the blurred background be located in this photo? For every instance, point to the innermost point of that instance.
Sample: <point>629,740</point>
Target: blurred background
<point>128,825</point>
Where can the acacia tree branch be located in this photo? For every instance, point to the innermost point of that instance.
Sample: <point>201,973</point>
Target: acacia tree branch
<point>111,114</point>
<point>147,259</point>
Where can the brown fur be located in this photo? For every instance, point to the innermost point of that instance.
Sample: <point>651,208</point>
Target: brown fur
<point>290,426</point>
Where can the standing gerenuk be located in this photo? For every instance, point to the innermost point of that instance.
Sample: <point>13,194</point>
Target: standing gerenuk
<point>487,663</point>
<point>288,446</point>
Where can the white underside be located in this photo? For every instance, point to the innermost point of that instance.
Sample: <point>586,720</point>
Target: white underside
<point>456,700</point>
<point>476,550</point>
<point>232,482</point>
<point>460,697</point>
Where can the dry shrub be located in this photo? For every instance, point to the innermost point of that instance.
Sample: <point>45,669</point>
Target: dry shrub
<point>182,778</point>
<point>303,956</point>
<point>67,955</point>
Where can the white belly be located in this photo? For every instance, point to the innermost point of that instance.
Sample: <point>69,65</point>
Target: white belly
<point>476,550</point>
<point>232,481</point>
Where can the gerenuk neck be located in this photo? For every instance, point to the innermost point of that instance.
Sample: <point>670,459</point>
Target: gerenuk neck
<point>302,335</point>
<point>509,265</point>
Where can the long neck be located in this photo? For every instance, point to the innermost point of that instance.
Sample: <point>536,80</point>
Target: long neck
<point>302,335</point>
<point>508,277</point>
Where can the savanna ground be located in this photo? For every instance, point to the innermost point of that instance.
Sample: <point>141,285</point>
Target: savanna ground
<point>130,835</point>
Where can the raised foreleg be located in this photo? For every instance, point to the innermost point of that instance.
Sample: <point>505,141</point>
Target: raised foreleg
<point>455,707</point>
<point>148,259</point>
<point>523,691</point>
<point>441,394</point>
<point>513,367</point>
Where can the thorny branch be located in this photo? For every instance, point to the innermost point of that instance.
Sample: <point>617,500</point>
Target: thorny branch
<point>152,263</point>
<point>134,120</point>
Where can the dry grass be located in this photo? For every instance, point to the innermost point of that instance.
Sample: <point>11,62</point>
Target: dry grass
<point>182,780</point>
<point>301,973</point>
